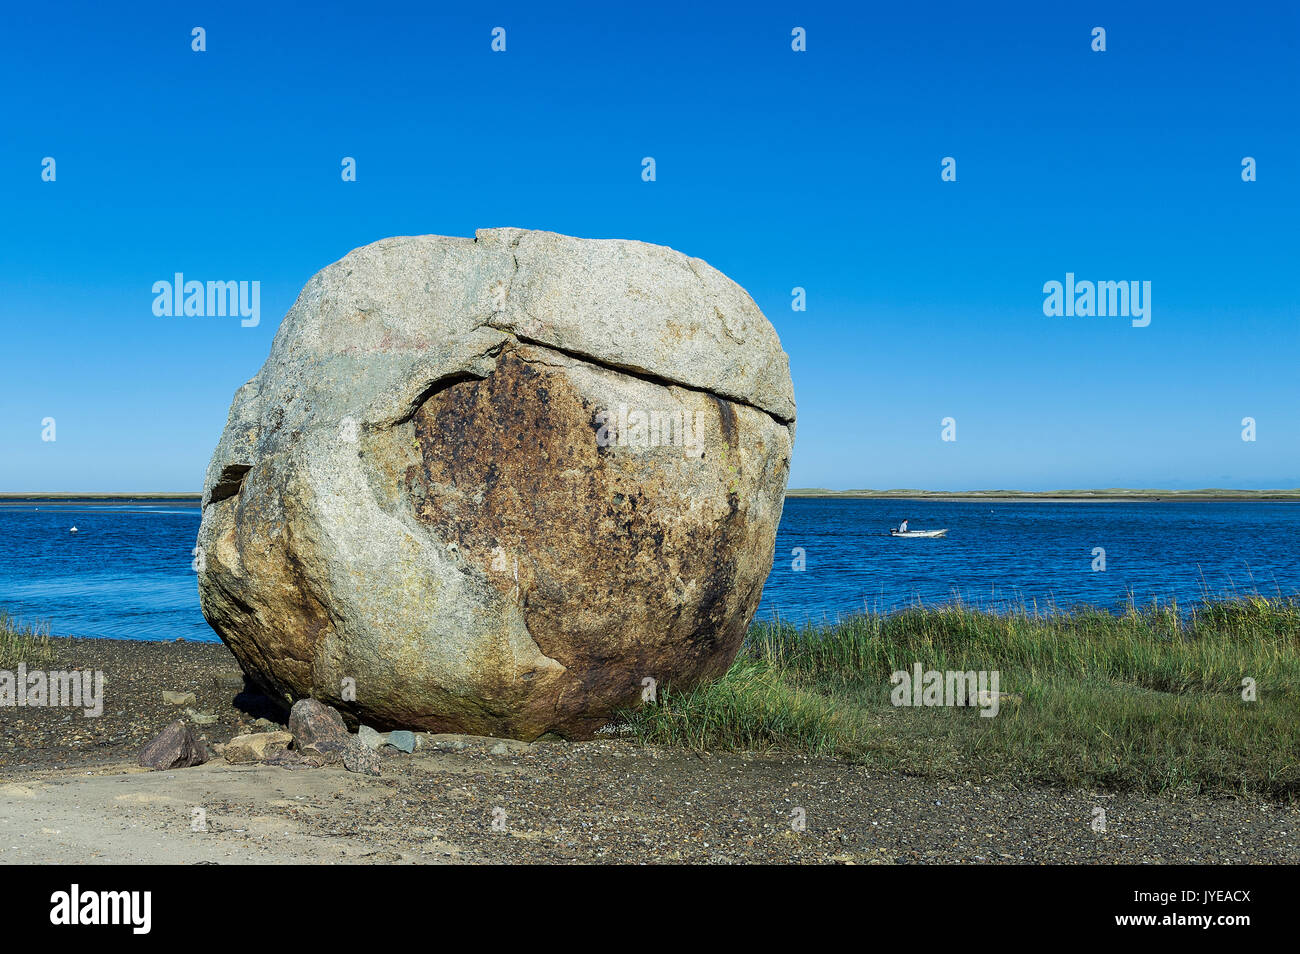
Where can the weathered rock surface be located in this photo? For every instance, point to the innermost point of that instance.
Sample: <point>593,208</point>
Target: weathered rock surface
<point>402,740</point>
<point>320,736</point>
<point>174,747</point>
<point>496,484</point>
<point>358,758</point>
<point>229,681</point>
<point>316,729</point>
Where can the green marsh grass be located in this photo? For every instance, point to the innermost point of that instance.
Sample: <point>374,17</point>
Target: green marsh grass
<point>1147,700</point>
<point>21,643</point>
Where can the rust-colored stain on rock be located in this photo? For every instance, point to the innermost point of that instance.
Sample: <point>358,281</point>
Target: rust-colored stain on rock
<point>618,579</point>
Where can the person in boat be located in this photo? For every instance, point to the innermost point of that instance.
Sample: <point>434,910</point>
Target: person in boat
<point>902,527</point>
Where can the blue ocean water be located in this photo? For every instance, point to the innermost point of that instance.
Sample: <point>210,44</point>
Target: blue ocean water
<point>1041,552</point>
<point>127,572</point>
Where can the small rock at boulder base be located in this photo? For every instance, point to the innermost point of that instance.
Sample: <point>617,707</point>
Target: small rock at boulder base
<point>317,729</point>
<point>172,748</point>
<point>402,740</point>
<point>257,746</point>
<point>288,759</point>
<point>499,485</point>
<point>358,758</point>
<point>326,751</point>
<point>231,681</point>
<point>369,737</point>
<point>178,698</point>
<point>201,718</point>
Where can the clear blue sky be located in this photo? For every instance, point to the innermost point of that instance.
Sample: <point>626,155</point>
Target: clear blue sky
<point>818,169</point>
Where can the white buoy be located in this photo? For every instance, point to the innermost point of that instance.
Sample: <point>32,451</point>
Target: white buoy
<point>73,530</point>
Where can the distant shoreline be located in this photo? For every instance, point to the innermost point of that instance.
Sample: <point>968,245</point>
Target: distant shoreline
<point>14,500</point>
<point>1107,495</point>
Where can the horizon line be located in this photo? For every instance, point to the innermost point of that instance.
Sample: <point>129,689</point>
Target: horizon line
<point>790,492</point>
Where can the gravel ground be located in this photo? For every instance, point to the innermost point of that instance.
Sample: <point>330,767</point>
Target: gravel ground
<point>69,788</point>
<point>135,675</point>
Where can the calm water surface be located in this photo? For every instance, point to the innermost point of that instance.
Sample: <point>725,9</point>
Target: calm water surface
<point>1035,552</point>
<point>127,572</point>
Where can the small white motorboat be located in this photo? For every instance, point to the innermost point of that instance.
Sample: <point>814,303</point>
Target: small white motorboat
<point>918,533</point>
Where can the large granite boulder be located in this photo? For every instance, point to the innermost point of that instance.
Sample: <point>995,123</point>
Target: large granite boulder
<point>496,485</point>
